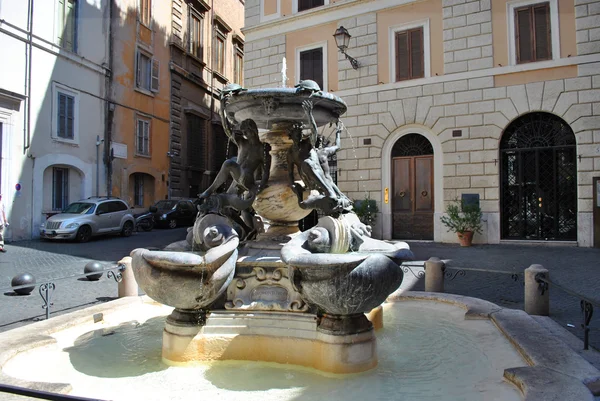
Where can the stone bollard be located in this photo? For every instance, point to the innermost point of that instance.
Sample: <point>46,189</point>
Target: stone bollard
<point>535,302</point>
<point>128,286</point>
<point>434,275</point>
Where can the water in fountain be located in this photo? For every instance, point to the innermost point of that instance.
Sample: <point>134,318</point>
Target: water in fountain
<point>283,73</point>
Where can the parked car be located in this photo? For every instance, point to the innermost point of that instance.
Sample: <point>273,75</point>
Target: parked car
<point>89,217</point>
<point>172,213</point>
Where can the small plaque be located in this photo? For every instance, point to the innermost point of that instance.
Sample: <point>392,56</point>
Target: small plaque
<point>470,199</point>
<point>269,293</point>
<point>119,150</point>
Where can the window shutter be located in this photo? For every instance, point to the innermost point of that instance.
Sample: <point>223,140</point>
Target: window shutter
<point>138,69</point>
<point>62,118</point>
<point>318,67</point>
<point>140,137</point>
<point>541,16</point>
<point>69,26</point>
<point>70,117</point>
<point>402,56</point>
<point>155,73</point>
<point>524,35</point>
<point>146,138</point>
<point>311,65</point>
<point>416,53</point>
<point>61,22</point>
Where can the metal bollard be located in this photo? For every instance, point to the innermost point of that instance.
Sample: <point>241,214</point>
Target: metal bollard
<point>127,286</point>
<point>434,275</point>
<point>537,297</point>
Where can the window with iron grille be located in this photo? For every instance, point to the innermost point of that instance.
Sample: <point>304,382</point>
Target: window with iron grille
<point>311,65</point>
<point>65,116</point>
<point>138,189</point>
<point>67,25</point>
<point>196,34</point>
<point>147,72</point>
<point>142,137</point>
<point>60,188</point>
<point>409,54</point>
<point>146,12</point>
<point>308,4</point>
<point>532,33</point>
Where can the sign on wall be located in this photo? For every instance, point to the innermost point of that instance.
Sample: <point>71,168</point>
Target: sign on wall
<point>119,150</point>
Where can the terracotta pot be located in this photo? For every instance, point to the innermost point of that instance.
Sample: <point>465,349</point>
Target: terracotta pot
<point>465,238</point>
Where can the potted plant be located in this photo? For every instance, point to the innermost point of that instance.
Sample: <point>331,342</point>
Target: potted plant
<point>464,219</point>
<point>366,210</point>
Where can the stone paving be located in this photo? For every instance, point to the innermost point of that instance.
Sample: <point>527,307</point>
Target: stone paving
<point>50,260</point>
<point>575,268</point>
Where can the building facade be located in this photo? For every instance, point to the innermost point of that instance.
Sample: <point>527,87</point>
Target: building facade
<point>207,49</point>
<point>139,110</point>
<point>52,91</point>
<point>492,100</point>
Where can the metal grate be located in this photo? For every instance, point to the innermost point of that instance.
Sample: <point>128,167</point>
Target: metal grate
<point>412,145</point>
<point>538,179</point>
<point>53,225</point>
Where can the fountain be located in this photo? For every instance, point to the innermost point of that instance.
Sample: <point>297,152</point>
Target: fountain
<point>332,274</point>
<point>301,308</point>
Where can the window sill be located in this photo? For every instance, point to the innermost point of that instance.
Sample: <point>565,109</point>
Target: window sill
<point>145,91</point>
<point>409,79</point>
<point>142,156</point>
<point>220,77</point>
<point>196,59</point>
<point>72,142</point>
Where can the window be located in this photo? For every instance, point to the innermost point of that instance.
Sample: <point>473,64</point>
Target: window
<point>532,33</point>
<point>308,4</point>
<point>60,188</point>
<point>67,24</point>
<point>311,65</point>
<point>220,52</point>
<point>142,137</point>
<point>197,143</point>
<point>66,116</point>
<point>409,54</point>
<point>116,206</point>
<point>146,12</point>
<point>103,208</point>
<point>238,63</point>
<point>138,190</point>
<point>196,37</point>
<point>147,72</point>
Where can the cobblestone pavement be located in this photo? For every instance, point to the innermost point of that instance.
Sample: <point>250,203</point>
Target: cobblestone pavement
<point>575,268</point>
<point>52,260</point>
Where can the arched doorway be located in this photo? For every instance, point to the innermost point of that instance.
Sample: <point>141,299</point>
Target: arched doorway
<point>141,190</point>
<point>412,188</point>
<point>538,194</point>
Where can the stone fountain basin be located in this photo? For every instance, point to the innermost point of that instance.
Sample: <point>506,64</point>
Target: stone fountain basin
<point>181,279</point>
<point>48,355</point>
<point>284,105</point>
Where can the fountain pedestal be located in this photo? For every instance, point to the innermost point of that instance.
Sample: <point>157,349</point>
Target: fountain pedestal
<point>287,338</point>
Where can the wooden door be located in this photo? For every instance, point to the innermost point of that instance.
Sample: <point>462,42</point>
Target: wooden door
<point>412,197</point>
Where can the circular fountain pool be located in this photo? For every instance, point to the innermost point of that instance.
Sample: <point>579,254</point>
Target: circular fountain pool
<point>427,351</point>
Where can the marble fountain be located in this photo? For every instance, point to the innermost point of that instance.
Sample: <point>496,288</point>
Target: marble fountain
<point>248,306</point>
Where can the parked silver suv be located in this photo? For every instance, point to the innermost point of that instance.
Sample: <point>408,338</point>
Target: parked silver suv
<point>88,217</point>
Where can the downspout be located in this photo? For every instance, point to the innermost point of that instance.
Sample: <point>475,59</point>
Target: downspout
<point>27,115</point>
<point>109,105</point>
<point>212,88</point>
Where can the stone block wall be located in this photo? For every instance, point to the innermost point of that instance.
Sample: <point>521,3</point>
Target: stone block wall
<point>363,45</point>
<point>467,35</point>
<point>263,60</point>
<point>587,20</point>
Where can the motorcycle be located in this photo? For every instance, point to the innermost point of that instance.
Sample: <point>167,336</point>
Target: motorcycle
<point>145,221</point>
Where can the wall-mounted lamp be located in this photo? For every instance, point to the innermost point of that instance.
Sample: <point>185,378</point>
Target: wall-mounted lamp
<point>342,40</point>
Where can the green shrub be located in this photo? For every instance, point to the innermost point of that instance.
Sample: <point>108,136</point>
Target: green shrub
<point>462,217</point>
<point>366,210</point>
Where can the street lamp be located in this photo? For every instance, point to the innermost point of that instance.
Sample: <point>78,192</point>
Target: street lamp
<point>342,40</point>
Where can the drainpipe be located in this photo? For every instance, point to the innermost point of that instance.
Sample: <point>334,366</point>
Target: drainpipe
<point>27,109</point>
<point>109,106</point>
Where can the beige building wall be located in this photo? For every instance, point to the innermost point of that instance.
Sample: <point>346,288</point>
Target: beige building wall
<point>471,87</point>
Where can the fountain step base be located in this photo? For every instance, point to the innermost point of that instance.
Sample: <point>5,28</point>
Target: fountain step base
<point>287,338</point>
